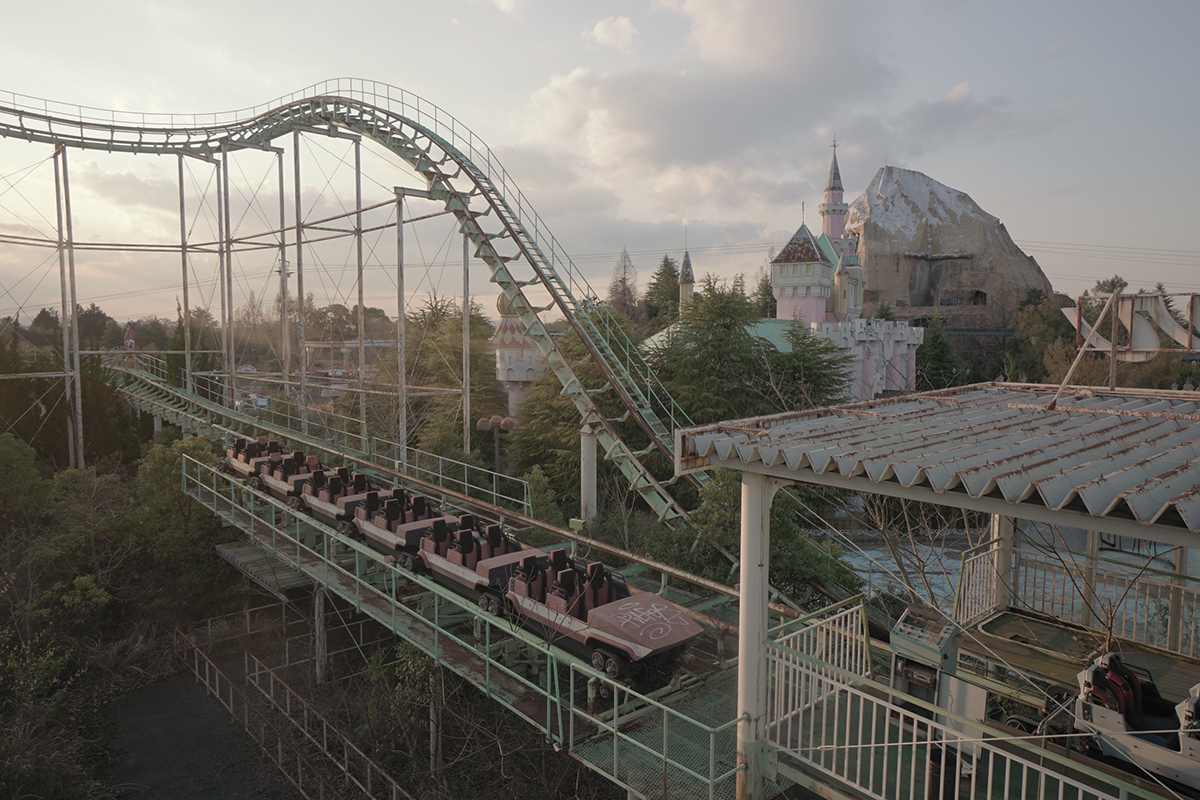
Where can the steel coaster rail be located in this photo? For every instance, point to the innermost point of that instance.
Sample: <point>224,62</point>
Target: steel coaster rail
<point>160,397</point>
<point>385,113</point>
<point>209,416</point>
<point>432,618</point>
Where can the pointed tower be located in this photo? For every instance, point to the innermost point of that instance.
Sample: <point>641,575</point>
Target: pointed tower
<point>687,281</point>
<point>833,210</point>
<point>518,359</point>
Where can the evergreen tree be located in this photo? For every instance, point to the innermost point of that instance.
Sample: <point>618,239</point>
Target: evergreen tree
<point>662,295</point>
<point>938,365</point>
<point>884,311</point>
<point>93,322</point>
<point>764,293</point>
<point>716,368</point>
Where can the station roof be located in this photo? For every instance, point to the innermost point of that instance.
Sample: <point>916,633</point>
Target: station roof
<point>1124,461</point>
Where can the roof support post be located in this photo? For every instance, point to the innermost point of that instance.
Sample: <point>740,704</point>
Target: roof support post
<point>1002,534</point>
<point>757,494</point>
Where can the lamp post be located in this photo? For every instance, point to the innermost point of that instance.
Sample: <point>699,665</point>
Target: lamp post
<point>495,425</point>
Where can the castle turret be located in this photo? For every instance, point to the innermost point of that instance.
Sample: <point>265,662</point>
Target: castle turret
<point>518,359</point>
<point>833,210</point>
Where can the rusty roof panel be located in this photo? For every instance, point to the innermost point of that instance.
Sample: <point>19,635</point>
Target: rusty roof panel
<point>1130,453</point>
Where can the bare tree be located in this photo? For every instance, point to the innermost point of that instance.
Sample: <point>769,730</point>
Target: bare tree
<point>623,296</point>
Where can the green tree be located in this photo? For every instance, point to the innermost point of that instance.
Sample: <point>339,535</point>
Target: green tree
<point>763,297</point>
<point>202,339</point>
<point>433,359</point>
<point>938,366</point>
<point>661,300</point>
<point>716,368</point>
<point>45,330</point>
<point>1040,323</point>
<point>92,324</point>
<point>797,563</point>
<point>884,311</point>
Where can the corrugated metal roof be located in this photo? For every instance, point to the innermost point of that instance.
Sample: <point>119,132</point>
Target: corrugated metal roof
<point>1129,454</point>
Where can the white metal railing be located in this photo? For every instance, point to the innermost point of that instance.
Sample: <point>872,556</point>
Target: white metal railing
<point>840,641</point>
<point>856,733</point>
<point>977,580</point>
<point>1149,606</point>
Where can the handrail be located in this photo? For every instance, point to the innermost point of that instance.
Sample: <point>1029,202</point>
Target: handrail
<point>428,618</point>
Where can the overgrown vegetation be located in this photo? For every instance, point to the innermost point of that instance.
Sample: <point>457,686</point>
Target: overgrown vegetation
<point>96,567</point>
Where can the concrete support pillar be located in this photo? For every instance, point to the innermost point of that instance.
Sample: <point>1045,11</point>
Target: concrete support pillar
<point>587,472</point>
<point>1002,532</point>
<point>319,647</point>
<point>757,492</point>
<point>157,423</point>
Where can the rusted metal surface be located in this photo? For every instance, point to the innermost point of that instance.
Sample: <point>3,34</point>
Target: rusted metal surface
<point>1124,453</point>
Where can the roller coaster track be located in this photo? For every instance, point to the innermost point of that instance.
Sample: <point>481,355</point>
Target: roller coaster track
<point>459,169</point>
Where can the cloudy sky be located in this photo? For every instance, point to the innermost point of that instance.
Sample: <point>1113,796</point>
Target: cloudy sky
<point>623,122</point>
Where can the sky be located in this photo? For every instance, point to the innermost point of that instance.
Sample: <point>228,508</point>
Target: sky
<point>651,124</point>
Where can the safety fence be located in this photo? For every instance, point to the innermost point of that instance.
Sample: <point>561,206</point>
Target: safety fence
<point>356,767</point>
<point>278,747</point>
<point>617,731</point>
<point>1143,604</point>
<point>977,581</point>
<point>862,736</point>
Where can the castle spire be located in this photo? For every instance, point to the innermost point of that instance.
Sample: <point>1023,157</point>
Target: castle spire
<point>687,281</point>
<point>834,183</point>
<point>833,210</point>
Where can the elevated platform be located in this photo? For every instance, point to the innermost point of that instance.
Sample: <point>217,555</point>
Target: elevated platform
<point>677,741</point>
<point>273,574</point>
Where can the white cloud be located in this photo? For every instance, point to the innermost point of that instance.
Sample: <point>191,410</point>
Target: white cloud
<point>765,35</point>
<point>615,32</point>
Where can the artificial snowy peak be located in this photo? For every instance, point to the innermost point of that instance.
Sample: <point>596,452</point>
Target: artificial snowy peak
<point>928,249</point>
